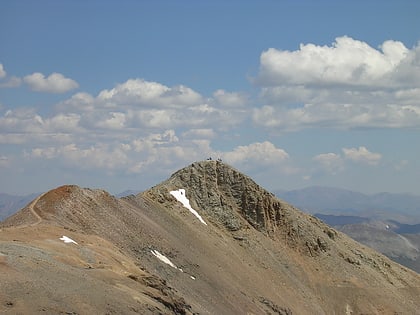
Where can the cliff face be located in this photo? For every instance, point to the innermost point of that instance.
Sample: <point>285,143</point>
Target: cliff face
<point>208,240</point>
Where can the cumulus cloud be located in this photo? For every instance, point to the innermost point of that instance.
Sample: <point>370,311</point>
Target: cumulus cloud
<point>79,102</point>
<point>199,133</point>
<point>263,153</point>
<point>230,99</point>
<point>331,162</point>
<point>140,104</point>
<point>341,116</point>
<point>100,156</point>
<point>346,85</point>
<point>151,94</point>
<point>25,125</point>
<point>133,109</point>
<point>54,83</point>
<point>347,62</point>
<point>114,121</point>
<point>362,155</point>
<point>140,155</point>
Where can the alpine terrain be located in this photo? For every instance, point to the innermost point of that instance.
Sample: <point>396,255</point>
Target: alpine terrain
<point>208,240</point>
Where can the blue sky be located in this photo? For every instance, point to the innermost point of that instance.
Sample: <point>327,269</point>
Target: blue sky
<point>120,94</point>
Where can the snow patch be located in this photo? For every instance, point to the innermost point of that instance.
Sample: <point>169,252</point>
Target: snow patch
<point>181,197</point>
<point>66,239</point>
<point>164,259</point>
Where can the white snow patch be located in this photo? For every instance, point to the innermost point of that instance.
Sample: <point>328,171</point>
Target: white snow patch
<point>181,197</point>
<point>66,239</point>
<point>165,259</point>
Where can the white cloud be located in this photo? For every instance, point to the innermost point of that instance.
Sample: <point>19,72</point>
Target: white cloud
<point>2,71</point>
<point>347,61</point>
<point>62,123</point>
<point>153,140</point>
<point>200,133</point>
<point>331,162</point>
<point>230,99</point>
<point>54,83</point>
<point>362,155</point>
<point>263,153</point>
<point>28,121</point>
<point>101,156</point>
<point>340,116</point>
<point>149,105</point>
<point>26,126</point>
<point>346,85</point>
<point>150,94</point>
<point>114,121</point>
<point>81,101</point>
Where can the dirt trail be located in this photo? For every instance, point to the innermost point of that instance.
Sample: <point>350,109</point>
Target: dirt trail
<point>32,209</point>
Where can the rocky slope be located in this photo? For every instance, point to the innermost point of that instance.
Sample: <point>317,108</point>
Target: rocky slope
<point>150,254</point>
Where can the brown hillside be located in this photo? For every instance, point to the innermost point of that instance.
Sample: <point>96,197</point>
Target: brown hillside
<point>255,255</point>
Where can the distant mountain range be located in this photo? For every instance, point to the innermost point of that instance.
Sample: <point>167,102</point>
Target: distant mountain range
<point>9,204</point>
<point>404,208</point>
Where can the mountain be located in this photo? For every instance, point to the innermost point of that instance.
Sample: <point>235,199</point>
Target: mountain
<point>382,221</point>
<point>400,242</point>
<point>403,208</point>
<point>126,193</point>
<point>9,204</point>
<point>209,240</point>
<point>402,248</point>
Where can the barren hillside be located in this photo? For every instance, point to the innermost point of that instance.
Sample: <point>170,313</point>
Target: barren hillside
<point>209,240</point>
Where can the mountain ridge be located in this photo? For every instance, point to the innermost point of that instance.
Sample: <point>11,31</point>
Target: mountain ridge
<point>257,254</point>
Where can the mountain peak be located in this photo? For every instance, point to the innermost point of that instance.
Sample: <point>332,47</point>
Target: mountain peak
<point>221,191</point>
<point>233,200</point>
<point>62,205</point>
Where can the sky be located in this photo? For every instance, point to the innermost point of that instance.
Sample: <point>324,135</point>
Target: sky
<point>120,94</point>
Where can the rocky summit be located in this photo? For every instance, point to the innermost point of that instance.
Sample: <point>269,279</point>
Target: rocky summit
<point>209,240</point>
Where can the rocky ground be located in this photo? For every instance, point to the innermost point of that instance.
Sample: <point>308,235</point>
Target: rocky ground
<point>255,255</point>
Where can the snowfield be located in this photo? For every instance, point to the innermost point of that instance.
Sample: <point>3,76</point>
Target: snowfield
<point>182,198</point>
<point>66,239</point>
<point>164,259</point>
<point>167,261</point>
